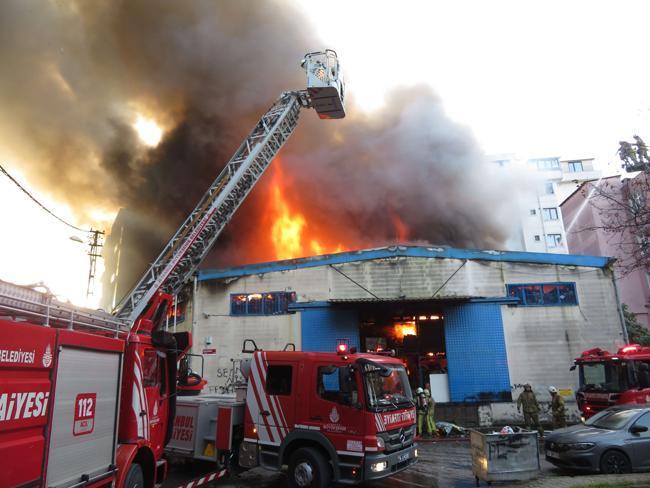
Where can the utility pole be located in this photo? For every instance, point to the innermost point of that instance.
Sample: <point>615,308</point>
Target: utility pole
<point>96,243</point>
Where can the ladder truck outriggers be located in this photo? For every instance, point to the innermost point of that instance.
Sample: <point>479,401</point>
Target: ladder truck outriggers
<point>88,398</point>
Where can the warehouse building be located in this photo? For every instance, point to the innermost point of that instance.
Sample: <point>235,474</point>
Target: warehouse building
<point>474,324</point>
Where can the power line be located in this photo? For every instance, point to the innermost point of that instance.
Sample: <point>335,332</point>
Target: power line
<point>26,192</point>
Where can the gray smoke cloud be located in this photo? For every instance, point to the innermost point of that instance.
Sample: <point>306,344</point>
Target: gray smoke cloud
<point>76,73</point>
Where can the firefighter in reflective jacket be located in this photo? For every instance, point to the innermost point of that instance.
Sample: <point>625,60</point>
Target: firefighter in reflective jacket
<point>528,401</point>
<point>558,408</point>
<point>422,406</point>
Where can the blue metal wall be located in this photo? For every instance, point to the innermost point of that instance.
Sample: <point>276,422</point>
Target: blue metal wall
<point>476,353</point>
<point>323,326</point>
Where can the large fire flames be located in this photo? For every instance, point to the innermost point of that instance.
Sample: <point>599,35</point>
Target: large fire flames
<point>292,234</point>
<point>282,223</point>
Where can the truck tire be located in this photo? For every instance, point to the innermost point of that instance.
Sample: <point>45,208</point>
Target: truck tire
<point>309,468</point>
<point>134,478</point>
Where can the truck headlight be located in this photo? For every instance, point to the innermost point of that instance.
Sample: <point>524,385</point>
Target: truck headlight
<point>377,467</point>
<point>580,446</point>
<point>380,442</point>
<point>415,453</point>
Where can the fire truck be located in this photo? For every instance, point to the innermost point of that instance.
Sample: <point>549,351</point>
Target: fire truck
<point>88,398</point>
<point>608,379</point>
<point>329,417</point>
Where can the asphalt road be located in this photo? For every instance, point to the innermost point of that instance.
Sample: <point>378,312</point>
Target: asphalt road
<point>442,464</point>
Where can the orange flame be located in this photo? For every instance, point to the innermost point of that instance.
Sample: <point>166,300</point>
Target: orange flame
<point>288,227</point>
<point>405,329</point>
<point>402,230</point>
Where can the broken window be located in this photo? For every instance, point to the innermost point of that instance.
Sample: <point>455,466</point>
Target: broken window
<point>267,303</point>
<point>544,294</point>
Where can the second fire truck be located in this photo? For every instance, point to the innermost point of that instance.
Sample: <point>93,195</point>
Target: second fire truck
<point>608,379</point>
<point>329,417</point>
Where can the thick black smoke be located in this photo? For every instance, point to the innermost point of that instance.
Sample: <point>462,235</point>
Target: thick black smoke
<point>75,74</point>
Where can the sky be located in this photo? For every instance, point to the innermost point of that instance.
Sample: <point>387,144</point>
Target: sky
<point>552,78</point>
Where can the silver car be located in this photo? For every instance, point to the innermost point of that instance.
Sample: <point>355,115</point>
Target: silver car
<point>616,440</point>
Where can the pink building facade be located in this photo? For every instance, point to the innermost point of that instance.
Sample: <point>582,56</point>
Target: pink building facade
<point>582,210</point>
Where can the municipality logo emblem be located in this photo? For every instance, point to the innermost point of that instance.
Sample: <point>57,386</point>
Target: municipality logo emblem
<point>47,357</point>
<point>334,415</point>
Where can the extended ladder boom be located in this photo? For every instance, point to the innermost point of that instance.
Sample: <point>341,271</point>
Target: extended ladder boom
<point>185,251</point>
<point>182,255</point>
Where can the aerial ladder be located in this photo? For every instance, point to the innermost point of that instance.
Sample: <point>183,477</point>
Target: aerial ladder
<point>60,361</point>
<point>182,255</point>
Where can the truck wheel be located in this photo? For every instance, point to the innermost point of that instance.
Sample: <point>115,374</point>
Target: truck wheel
<point>308,468</point>
<point>614,462</point>
<point>134,478</point>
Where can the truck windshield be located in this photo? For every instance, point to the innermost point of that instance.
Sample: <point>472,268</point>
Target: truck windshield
<point>387,387</point>
<point>605,377</point>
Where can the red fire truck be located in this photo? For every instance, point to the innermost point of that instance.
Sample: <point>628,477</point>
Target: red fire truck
<point>88,398</point>
<point>330,417</point>
<point>608,379</point>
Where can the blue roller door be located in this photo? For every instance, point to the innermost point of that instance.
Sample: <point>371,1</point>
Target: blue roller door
<point>476,353</point>
<point>322,328</point>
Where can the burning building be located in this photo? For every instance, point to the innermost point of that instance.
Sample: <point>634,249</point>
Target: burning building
<point>476,325</point>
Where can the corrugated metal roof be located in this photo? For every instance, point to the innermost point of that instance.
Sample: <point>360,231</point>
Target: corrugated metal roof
<point>406,251</point>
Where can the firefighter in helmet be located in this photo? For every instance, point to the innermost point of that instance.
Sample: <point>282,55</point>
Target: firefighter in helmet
<point>422,407</point>
<point>528,401</point>
<point>627,153</point>
<point>641,150</point>
<point>557,408</point>
<point>431,423</point>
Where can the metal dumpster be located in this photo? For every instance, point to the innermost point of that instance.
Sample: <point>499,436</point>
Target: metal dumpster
<point>504,457</point>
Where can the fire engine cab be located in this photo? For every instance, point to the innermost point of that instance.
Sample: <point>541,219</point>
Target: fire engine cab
<point>608,379</point>
<point>329,417</point>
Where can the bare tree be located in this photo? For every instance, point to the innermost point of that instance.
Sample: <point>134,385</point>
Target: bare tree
<point>623,209</point>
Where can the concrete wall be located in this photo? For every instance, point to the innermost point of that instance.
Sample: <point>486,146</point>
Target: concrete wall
<point>541,342</point>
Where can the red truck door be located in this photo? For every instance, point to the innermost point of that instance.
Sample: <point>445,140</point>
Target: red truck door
<point>153,375</point>
<point>273,410</point>
<point>335,405</point>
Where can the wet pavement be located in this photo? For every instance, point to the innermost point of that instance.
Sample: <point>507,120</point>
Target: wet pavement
<point>445,464</point>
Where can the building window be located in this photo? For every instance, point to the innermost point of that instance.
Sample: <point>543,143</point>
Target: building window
<point>554,240</point>
<point>269,303</point>
<point>536,238</point>
<point>502,162</point>
<point>575,166</point>
<point>550,213</point>
<point>544,294</point>
<point>533,211</point>
<point>545,164</point>
<point>278,380</point>
<point>549,189</point>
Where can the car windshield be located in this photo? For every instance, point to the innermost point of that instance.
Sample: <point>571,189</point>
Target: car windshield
<point>611,419</point>
<point>605,377</point>
<point>387,386</point>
